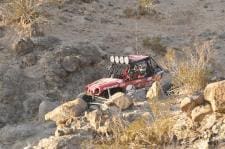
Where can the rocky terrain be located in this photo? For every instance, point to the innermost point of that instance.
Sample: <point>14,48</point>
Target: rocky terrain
<point>49,64</point>
<point>202,121</point>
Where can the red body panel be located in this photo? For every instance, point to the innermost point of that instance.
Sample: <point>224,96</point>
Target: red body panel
<point>97,87</point>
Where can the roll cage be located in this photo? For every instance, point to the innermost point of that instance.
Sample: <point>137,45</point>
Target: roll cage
<point>145,67</point>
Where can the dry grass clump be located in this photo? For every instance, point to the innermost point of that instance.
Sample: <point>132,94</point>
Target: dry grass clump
<point>25,15</point>
<point>21,11</point>
<point>145,7</point>
<point>154,44</point>
<point>129,12</point>
<point>142,133</point>
<point>191,73</point>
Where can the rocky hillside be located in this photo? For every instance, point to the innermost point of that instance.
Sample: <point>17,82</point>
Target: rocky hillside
<point>46,62</point>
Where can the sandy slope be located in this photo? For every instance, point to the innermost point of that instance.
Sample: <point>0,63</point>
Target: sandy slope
<point>180,23</point>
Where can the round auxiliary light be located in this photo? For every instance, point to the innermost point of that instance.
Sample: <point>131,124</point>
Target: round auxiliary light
<point>121,60</point>
<point>117,59</point>
<point>112,59</point>
<point>126,60</point>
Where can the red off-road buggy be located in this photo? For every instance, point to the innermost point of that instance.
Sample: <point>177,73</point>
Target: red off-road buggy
<point>125,73</point>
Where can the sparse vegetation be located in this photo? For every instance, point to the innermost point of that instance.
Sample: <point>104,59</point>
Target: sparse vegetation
<point>129,12</point>
<point>21,11</point>
<point>191,74</point>
<point>142,132</point>
<point>145,7</point>
<point>145,3</point>
<point>22,14</point>
<point>154,44</point>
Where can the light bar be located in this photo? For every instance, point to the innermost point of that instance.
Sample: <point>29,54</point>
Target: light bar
<point>112,59</point>
<point>126,60</point>
<point>121,60</point>
<point>117,59</point>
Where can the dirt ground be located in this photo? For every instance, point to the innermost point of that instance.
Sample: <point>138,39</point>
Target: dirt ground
<point>104,24</point>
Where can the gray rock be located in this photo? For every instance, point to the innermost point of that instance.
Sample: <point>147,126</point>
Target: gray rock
<point>29,60</point>
<point>64,131</point>
<point>66,111</point>
<point>31,104</point>
<point>46,42</point>
<point>71,63</point>
<point>87,53</point>
<point>138,95</point>
<point>2,32</point>
<point>45,107</point>
<point>23,46</point>
<point>215,94</point>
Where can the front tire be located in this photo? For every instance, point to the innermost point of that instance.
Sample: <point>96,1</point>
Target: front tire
<point>85,97</point>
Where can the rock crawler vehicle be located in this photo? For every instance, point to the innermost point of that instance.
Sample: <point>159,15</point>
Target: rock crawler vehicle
<point>125,73</point>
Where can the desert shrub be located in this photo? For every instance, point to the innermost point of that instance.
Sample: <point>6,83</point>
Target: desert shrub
<point>141,132</point>
<point>21,11</point>
<point>145,3</point>
<point>191,73</point>
<point>25,15</point>
<point>155,135</point>
<point>154,44</point>
<point>145,7</point>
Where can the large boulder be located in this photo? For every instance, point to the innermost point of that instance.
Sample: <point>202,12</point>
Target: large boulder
<point>67,111</point>
<point>120,100</point>
<point>154,91</point>
<point>63,142</point>
<point>215,94</point>
<point>198,113</point>
<point>45,107</point>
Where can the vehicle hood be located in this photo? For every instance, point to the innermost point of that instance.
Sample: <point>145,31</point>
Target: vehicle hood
<point>104,83</point>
